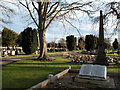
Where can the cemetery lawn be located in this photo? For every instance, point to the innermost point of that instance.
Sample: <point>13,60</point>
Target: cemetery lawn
<point>112,54</point>
<point>26,73</point>
<point>31,55</point>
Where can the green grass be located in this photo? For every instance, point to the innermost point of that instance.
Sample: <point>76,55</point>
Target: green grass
<point>113,54</point>
<point>113,70</point>
<point>112,51</point>
<point>26,73</point>
<point>49,53</point>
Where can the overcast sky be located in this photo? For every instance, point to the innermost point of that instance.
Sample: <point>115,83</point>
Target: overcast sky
<point>56,29</point>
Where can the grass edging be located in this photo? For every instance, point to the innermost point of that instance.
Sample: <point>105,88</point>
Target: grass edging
<point>52,78</point>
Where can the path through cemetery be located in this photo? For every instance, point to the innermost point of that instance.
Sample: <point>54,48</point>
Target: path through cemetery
<point>6,61</point>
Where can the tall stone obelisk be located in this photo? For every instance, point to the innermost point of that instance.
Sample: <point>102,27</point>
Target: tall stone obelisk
<point>101,56</point>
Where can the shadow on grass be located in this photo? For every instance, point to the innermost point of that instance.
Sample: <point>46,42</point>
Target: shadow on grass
<point>38,69</point>
<point>18,66</point>
<point>115,64</point>
<point>113,67</point>
<point>22,53</point>
<point>36,59</point>
<point>28,76</point>
<point>67,63</point>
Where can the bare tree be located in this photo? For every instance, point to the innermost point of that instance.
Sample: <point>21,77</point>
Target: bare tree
<point>114,8</point>
<point>111,17</point>
<point>47,12</point>
<point>113,11</point>
<point>6,11</point>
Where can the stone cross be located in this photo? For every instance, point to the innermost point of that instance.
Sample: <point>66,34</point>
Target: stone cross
<point>101,56</point>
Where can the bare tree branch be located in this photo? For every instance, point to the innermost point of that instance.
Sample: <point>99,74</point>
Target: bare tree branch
<point>27,7</point>
<point>35,7</point>
<point>52,7</point>
<point>22,4</point>
<point>53,10</point>
<point>72,26</point>
<point>6,8</point>
<point>64,8</point>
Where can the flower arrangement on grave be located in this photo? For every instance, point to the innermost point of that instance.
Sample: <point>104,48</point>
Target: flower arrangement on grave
<point>81,58</point>
<point>89,57</point>
<point>112,59</point>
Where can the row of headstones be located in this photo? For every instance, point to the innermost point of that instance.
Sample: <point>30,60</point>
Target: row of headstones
<point>11,52</point>
<point>17,51</point>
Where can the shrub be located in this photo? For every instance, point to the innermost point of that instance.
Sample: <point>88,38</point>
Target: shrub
<point>8,37</point>
<point>90,42</point>
<point>71,42</point>
<point>29,40</point>
<point>115,44</point>
<point>118,52</point>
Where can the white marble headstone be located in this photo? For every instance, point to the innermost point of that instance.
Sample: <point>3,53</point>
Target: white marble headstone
<point>12,53</point>
<point>36,52</point>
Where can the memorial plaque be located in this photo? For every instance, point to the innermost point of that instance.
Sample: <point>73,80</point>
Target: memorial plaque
<point>93,72</point>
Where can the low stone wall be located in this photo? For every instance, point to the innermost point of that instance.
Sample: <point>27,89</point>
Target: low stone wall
<point>50,78</point>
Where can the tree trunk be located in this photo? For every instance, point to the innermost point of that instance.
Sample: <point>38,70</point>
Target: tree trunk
<point>43,46</point>
<point>42,31</point>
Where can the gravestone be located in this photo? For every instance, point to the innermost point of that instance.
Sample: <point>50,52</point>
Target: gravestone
<point>91,71</point>
<point>12,52</point>
<point>8,51</point>
<point>95,76</point>
<point>5,53</point>
<point>36,52</point>
<point>101,56</point>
